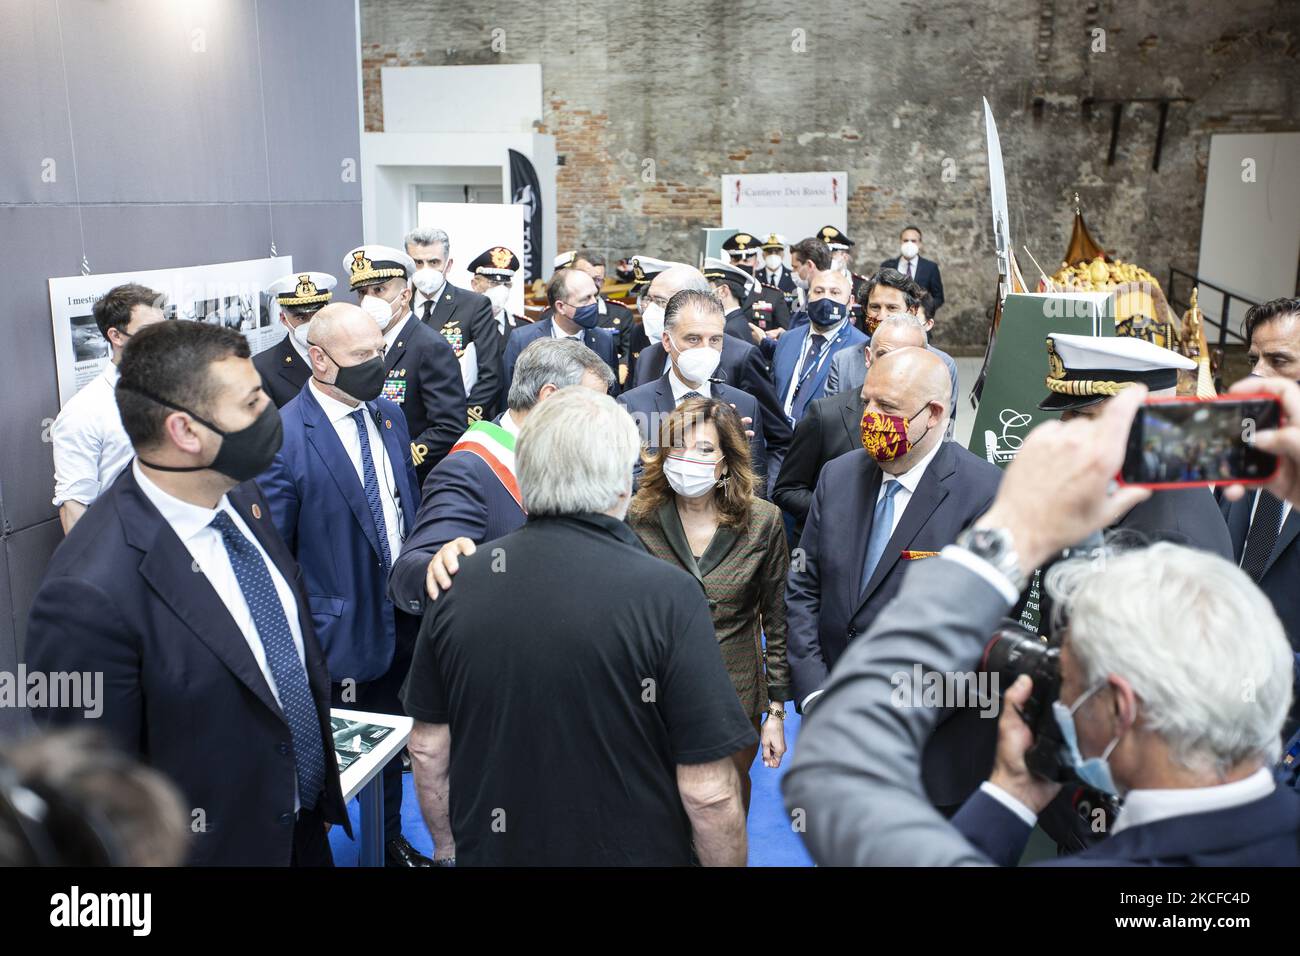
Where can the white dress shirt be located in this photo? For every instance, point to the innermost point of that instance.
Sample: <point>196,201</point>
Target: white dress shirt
<point>90,444</point>
<point>680,388</point>
<point>908,481</point>
<point>509,424</point>
<point>902,265</point>
<point>340,416</point>
<point>192,524</point>
<point>559,333</point>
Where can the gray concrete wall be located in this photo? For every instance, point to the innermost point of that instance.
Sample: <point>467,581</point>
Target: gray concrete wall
<point>888,90</point>
<point>163,104</point>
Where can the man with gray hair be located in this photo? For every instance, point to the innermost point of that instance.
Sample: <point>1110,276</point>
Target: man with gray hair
<point>1175,677</point>
<point>596,734</point>
<point>464,318</point>
<point>473,496</point>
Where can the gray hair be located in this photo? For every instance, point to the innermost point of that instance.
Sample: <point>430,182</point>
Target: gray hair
<point>424,236</point>
<point>904,320</point>
<point>575,454</point>
<point>690,298</point>
<point>551,361</point>
<point>1197,639</point>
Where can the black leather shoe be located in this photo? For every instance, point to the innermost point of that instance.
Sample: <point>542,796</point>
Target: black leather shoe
<point>399,852</point>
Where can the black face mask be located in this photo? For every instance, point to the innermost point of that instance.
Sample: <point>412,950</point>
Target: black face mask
<point>363,382</point>
<point>243,454</point>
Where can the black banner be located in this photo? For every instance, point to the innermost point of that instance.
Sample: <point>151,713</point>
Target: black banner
<point>526,191</point>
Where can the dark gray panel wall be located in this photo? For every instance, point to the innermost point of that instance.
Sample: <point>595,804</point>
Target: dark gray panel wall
<point>164,103</point>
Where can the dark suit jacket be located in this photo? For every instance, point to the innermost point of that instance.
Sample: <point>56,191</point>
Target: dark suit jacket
<point>831,427</point>
<point>1281,578</point>
<point>1188,516</point>
<point>462,497</point>
<point>465,317</point>
<point>827,607</point>
<point>649,404</point>
<point>424,379</point>
<point>600,341</point>
<point>284,372</point>
<point>785,364</point>
<point>182,690</point>
<point>742,367</point>
<point>1264,832</point>
<point>927,277</point>
<point>320,509</point>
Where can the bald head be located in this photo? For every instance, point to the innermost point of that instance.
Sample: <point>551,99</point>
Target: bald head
<point>829,284</point>
<point>912,383</point>
<point>676,278</point>
<point>896,332</point>
<point>341,335</point>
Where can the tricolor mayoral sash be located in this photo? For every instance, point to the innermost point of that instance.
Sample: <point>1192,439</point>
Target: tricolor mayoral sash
<point>496,446</point>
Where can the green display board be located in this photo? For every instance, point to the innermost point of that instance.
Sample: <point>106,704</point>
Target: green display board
<point>1008,409</point>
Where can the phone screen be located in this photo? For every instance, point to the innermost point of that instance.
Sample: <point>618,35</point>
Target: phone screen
<point>1192,441</point>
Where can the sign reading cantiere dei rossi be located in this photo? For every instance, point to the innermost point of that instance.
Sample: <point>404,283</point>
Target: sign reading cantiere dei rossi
<point>785,189</point>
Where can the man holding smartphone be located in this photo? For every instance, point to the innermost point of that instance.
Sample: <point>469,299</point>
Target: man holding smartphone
<point>1084,372</point>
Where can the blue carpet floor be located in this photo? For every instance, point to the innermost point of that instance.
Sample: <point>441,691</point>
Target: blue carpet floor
<point>771,840</point>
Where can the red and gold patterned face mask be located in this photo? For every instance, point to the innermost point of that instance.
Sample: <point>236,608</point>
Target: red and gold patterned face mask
<point>885,436</point>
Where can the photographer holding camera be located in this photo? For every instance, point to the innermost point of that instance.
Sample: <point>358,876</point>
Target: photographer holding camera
<point>1172,695</point>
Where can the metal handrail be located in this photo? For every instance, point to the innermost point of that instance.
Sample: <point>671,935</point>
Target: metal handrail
<point>1222,322</point>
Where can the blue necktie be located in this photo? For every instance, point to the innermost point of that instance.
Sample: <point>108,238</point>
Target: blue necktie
<point>882,529</point>
<point>372,487</point>
<point>281,656</point>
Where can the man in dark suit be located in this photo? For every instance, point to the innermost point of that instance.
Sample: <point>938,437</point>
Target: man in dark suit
<point>925,272</point>
<point>423,376</point>
<point>801,361</point>
<point>900,497</point>
<point>693,326</point>
<point>575,314</point>
<point>342,490</point>
<point>177,590</point>
<point>833,425</point>
<point>473,493</point>
<point>463,317</point>
<point>773,272</point>
<point>1152,691</point>
<point>294,299</point>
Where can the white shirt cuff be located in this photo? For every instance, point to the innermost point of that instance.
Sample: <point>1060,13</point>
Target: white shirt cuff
<point>1010,802</point>
<point>973,562</point>
<point>816,693</point>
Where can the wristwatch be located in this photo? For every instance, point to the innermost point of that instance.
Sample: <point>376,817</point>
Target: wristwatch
<point>995,546</point>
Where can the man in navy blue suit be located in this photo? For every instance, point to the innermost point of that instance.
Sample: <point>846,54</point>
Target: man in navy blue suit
<point>1172,696</point>
<point>901,497</point>
<point>693,334</point>
<point>473,494</point>
<point>342,492</point>
<point>575,314</point>
<point>177,590</point>
<point>924,272</point>
<point>802,360</point>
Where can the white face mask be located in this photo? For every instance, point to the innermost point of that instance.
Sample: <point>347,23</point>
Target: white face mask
<point>379,309</point>
<point>697,364</point>
<point>428,280</point>
<point>497,295</point>
<point>840,264</point>
<point>300,334</point>
<point>773,262</point>
<point>652,320</point>
<point>690,477</point>
<point>799,281</point>
<point>909,249</point>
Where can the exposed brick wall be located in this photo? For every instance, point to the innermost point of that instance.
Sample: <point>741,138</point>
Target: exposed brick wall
<point>889,92</point>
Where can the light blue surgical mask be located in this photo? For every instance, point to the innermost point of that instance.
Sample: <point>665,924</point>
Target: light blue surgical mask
<point>1093,771</point>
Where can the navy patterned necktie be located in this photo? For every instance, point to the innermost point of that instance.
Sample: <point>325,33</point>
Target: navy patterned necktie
<point>372,487</point>
<point>816,344</point>
<point>287,669</point>
<point>1262,536</point>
